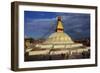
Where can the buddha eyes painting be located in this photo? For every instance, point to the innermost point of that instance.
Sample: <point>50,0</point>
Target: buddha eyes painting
<point>56,36</point>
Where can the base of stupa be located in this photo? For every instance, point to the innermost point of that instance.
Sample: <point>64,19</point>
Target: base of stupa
<point>58,46</point>
<point>58,54</point>
<point>58,51</point>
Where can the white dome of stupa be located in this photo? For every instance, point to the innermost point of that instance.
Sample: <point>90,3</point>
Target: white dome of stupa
<point>59,38</point>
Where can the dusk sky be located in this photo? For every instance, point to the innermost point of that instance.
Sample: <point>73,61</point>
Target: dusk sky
<point>39,24</point>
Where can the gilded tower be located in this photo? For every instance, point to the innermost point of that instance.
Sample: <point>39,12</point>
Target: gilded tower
<point>59,27</point>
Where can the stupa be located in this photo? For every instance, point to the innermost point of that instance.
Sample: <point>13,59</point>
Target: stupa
<point>58,42</point>
<point>59,39</point>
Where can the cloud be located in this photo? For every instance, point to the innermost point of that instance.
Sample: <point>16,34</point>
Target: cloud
<point>72,23</point>
<point>39,27</point>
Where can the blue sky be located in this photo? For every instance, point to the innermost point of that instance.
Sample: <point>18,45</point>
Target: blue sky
<point>38,24</point>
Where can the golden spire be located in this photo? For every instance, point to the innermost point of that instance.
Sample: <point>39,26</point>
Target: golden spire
<point>60,27</point>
